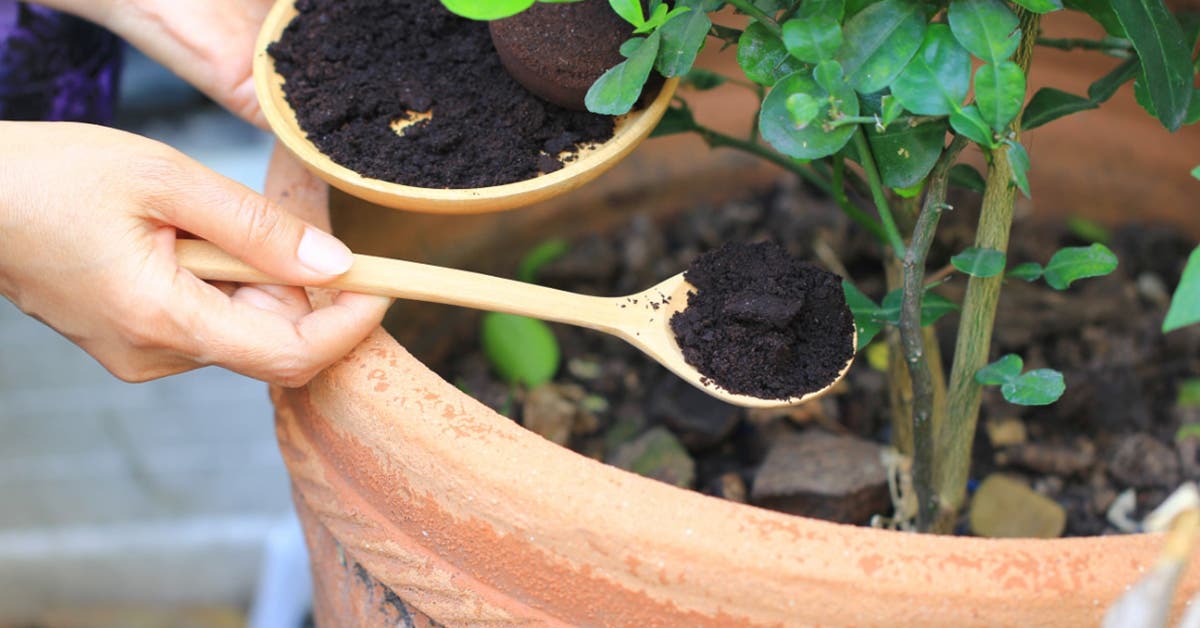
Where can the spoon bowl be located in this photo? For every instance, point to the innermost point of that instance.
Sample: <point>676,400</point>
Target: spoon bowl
<point>589,163</point>
<point>642,319</point>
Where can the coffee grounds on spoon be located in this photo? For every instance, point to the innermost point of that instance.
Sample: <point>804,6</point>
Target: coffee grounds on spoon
<point>764,324</point>
<point>354,67</point>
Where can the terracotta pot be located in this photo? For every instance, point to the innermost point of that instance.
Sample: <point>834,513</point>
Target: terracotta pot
<point>420,504</point>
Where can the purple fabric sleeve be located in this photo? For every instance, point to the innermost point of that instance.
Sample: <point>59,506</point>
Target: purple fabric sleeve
<point>55,66</point>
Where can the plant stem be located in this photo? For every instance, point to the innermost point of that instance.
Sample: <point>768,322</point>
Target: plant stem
<point>973,343</point>
<point>745,6</point>
<point>881,203</point>
<point>853,211</point>
<point>913,338</point>
<point>1075,43</point>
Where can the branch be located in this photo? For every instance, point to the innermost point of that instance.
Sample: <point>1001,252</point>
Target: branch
<point>881,203</point>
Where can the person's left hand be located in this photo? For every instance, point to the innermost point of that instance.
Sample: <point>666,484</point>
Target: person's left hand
<point>209,43</point>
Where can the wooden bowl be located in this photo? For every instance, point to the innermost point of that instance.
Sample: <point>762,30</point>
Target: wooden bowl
<point>590,162</point>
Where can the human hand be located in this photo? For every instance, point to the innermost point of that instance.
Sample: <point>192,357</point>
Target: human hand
<point>88,223</point>
<point>210,43</point>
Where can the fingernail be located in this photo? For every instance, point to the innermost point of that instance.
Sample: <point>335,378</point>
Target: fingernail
<point>323,253</point>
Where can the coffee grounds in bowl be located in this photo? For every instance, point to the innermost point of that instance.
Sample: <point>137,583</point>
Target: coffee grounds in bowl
<point>353,68</point>
<point>762,323</point>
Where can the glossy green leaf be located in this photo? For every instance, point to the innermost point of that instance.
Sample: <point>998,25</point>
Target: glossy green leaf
<point>522,350</point>
<point>1077,262</point>
<point>891,109</point>
<point>1018,162</point>
<point>616,91</point>
<point>542,254</point>
<point>812,40</point>
<point>1107,85</point>
<point>812,141</point>
<point>864,311</point>
<point>1164,55</point>
<point>1038,387</point>
<point>1003,370</point>
<point>1041,6</point>
<point>986,28</point>
<point>660,16</point>
<point>970,124</point>
<point>1050,104</point>
<point>682,38</point>
<point>486,9</point>
<point>1028,271</point>
<point>1102,12</point>
<point>979,262</point>
<point>879,41</point>
<point>629,10</point>
<point>936,80</point>
<point>763,57</point>
<point>933,307</point>
<point>803,109</point>
<point>966,176</point>
<point>835,9</point>
<point>828,74</point>
<point>675,120</point>
<point>1185,305</point>
<point>999,93</point>
<point>906,154</point>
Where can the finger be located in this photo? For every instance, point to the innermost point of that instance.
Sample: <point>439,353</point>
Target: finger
<point>247,225</point>
<point>288,302</point>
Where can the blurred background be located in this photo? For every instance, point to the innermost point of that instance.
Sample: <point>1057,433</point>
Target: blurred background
<point>157,504</point>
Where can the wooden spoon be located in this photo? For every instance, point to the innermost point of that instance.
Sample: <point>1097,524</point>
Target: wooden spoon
<point>642,319</point>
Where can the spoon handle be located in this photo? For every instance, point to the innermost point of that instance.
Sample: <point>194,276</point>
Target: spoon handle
<point>423,282</point>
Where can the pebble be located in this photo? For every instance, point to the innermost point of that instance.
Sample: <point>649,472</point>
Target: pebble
<point>659,455</point>
<point>817,474</point>
<point>550,412</point>
<point>698,419</point>
<point>1006,431</point>
<point>730,486</point>
<point>1004,507</point>
<point>1142,461</point>
<point>1048,458</point>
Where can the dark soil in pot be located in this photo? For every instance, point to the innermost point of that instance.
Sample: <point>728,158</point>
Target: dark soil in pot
<point>1114,429</point>
<point>356,70</point>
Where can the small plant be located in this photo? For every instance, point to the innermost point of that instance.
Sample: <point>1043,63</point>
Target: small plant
<point>876,100</point>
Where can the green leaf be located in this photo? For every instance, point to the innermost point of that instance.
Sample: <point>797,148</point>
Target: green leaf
<point>1185,305</point>
<point>864,311</point>
<point>803,108</point>
<point>522,350</point>
<point>811,141</point>
<point>1050,104</point>
<point>701,79</point>
<point>1164,55</point>
<point>828,74</point>
<point>1001,371</point>
<point>629,10</point>
<point>763,57</point>
<point>879,41</point>
<point>979,262</point>
<point>1018,161</point>
<point>966,176</point>
<point>1088,230</point>
<point>1038,387</point>
<point>999,93</point>
<point>1196,172</point>
<point>486,9</point>
<point>1028,271</point>
<point>987,28</point>
<point>1102,12</point>
<point>1040,6</point>
<point>1193,113</point>
<point>1077,262</point>
<point>906,154</point>
<point>616,91</point>
<point>892,108</point>
<point>933,307</point>
<point>674,120</point>
<point>541,255</point>
<point>682,38</point>
<point>660,16</point>
<point>814,39</point>
<point>1107,85</point>
<point>970,124</point>
<point>1189,393</point>
<point>835,9</point>
<point>936,80</point>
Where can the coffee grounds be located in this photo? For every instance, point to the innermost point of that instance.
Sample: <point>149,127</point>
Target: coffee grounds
<point>764,324</point>
<point>352,68</point>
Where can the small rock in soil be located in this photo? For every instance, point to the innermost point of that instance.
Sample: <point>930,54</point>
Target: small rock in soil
<point>1004,507</point>
<point>549,411</point>
<point>697,418</point>
<point>657,454</point>
<point>1142,461</point>
<point>1051,459</point>
<point>815,474</point>
<point>729,486</point>
<point>1006,431</point>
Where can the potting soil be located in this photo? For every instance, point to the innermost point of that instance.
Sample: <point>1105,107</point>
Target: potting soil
<point>354,68</point>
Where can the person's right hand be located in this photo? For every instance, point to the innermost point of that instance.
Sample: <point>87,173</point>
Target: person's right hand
<point>88,223</point>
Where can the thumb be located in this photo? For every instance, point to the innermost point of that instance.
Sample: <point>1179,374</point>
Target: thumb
<point>251,228</point>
